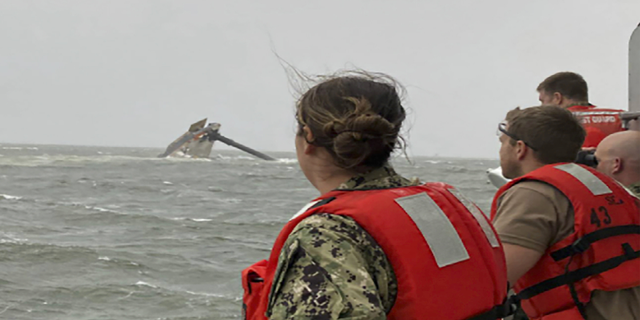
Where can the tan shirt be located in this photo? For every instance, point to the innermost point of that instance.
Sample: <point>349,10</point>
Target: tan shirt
<point>535,215</point>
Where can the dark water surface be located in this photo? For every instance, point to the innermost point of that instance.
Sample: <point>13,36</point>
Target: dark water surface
<point>115,233</point>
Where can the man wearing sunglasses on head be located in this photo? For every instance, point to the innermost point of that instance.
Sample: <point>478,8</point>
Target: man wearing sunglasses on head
<point>571,235</point>
<point>569,90</point>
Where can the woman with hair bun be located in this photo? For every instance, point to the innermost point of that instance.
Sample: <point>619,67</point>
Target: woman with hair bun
<point>374,245</point>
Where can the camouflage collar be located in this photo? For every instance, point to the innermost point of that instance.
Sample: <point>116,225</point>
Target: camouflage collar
<point>379,178</point>
<point>635,188</point>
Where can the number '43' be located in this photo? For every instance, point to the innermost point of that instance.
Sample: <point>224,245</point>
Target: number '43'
<point>595,217</point>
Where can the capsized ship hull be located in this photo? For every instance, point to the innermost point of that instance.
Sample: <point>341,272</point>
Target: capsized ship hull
<point>198,141</point>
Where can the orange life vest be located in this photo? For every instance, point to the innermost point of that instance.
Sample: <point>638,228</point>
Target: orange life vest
<point>597,122</point>
<point>601,254</point>
<point>446,257</point>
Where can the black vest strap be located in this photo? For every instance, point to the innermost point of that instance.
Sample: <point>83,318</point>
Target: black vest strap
<point>507,308</point>
<point>579,274</point>
<point>582,244</point>
<point>322,202</point>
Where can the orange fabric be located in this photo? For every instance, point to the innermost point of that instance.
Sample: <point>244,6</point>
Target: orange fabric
<point>423,287</point>
<point>592,213</point>
<point>252,283</point>
<point>597,122</point>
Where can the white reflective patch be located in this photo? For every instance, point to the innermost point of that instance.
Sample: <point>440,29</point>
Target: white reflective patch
<point>593,183</point>
<point>304,209</point>
<point>479,216</point>
<point>596,113</point>
<point>437,230</point>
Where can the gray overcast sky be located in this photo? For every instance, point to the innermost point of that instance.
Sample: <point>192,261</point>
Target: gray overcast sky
<point>137,73</point>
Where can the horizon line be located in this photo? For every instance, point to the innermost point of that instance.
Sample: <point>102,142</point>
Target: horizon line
<point>437,156</point>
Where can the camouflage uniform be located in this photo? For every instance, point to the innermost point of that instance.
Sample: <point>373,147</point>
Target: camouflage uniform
<point>331,268</point>
<point>635,188</point>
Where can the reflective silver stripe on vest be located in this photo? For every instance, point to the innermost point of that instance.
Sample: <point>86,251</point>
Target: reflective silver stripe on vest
<point>437,230</point>
<point>593,183</point>
<point>482,221</point>
<point>596,113</point>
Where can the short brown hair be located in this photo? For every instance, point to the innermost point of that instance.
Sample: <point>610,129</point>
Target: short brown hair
<point>554,133</point>
<point>356,117</point>
<point>569,84</point>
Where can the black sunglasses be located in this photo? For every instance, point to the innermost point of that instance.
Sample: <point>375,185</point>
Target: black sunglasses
<point>502,128</point>
<point>588,158</point>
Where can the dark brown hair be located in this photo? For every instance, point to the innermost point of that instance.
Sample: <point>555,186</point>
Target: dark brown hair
<point>355,117</point>
<point>569,84</point>
<point>554,133</point>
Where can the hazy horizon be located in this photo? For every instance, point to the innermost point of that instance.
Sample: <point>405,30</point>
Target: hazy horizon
<point>398,156</point>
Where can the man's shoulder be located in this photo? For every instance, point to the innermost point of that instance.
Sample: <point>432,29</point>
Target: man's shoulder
<point>534,194</point>
<point>535,186</point>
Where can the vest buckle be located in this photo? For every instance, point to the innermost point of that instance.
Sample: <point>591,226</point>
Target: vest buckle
<point>580,246</point>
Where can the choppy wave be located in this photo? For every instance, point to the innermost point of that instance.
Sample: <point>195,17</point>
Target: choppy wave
<point>68,160</point>
<point>11,238</point>
<point>236,157</point>
<point>145,284</point>
<point>108,233</point>
<point>287,160</point>
<point>99,209</point>
<point>186,159</point>
<point>20,148</point>
<point>192,219</point>
<point>10,197</point>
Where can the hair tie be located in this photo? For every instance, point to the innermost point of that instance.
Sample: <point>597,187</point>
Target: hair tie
<point>347,131</point>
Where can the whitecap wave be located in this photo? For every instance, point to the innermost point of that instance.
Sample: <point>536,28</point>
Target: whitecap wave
<point>215,295</point>
<point>192,219</point>
<point>185,158</point>
<point>10,197</point>
<point>70,160</point>
<point>20,148</point>
<point>145,284</point>
<point>10,241</point>
<point>100,209</point>
<point>11,238</point>
<point>287,160</point>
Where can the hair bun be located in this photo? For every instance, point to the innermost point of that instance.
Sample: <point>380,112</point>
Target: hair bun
<point>355,116</point>
<point>363,134</point>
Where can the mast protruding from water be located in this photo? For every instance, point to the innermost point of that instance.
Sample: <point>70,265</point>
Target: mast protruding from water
<point>198,141</point>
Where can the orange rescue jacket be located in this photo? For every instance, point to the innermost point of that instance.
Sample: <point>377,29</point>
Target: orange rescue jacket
<point>601,254</point>
<point>597,122</point>
<point>444,252</point>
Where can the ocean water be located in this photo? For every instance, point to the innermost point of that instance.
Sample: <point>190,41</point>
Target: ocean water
<point>116,233</point>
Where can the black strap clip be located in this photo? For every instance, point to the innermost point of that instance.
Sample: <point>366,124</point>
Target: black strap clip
<point>507,308</point>
<point>581,245</point>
